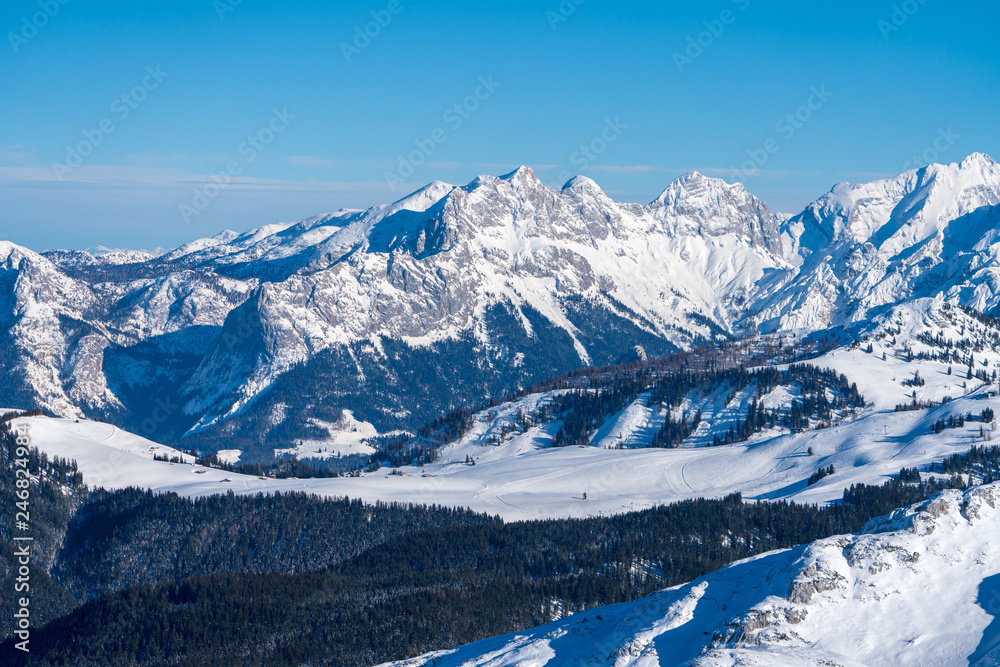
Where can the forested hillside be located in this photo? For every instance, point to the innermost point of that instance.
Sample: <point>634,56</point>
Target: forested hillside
<point>290,580</point>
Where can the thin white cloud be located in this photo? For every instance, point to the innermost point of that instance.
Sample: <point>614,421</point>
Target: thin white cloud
<point>160,178</point>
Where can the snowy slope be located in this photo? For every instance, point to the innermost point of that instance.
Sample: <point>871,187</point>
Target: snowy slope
<point>920,587</point>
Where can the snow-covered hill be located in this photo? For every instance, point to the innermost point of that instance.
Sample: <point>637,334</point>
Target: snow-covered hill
<point>458,294</point>
<point>919,587</point>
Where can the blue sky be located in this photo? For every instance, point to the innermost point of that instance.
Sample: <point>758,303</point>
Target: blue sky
<point>198,116</point>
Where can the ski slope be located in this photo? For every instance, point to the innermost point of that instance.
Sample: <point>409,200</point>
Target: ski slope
<point>920,587</point>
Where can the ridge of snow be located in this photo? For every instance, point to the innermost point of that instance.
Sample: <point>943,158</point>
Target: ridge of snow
<point>424,198</point>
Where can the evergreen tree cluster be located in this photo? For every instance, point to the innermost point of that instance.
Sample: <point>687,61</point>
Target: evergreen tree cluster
<point>820,474</point>
<point>583,410</point>
<point>986,417</point>
<point>673,433</point>
<point>131,537</point>
<point>915,381</point>
<point>981,462</point>
<point>915,405</point>
<point>906,489</point>
<point>421,448</point>
<point>287,467</point>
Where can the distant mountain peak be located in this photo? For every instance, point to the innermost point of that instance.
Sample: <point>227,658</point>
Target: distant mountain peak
<point>424,198</point>
<point>520,172</point>
<point>695,204</point>
<point>694,184</point>
<point>978,158</point>
<point>583,184</point>
<point>522,176</point>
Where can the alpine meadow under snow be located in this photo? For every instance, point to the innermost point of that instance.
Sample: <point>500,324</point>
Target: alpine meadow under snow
<point>540,355</point>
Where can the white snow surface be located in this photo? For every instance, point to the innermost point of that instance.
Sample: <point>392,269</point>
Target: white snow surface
<point>919,587</point>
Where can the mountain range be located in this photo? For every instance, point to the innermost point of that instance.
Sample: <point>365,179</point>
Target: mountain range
<point>458,295</point>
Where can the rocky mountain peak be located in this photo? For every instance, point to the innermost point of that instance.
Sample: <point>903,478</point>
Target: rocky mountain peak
<point>524,176</point>
<point>698,205</point>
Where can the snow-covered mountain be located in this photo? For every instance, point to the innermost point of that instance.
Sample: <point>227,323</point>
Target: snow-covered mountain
<point>455,295</point>
<point>492,285</point>
<point>860,248</point>
<point>918,587</point>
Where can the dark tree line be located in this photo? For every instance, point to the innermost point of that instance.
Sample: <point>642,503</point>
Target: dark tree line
<point>583,410</point>
<point>982,462</point>
<point>820,474</point>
